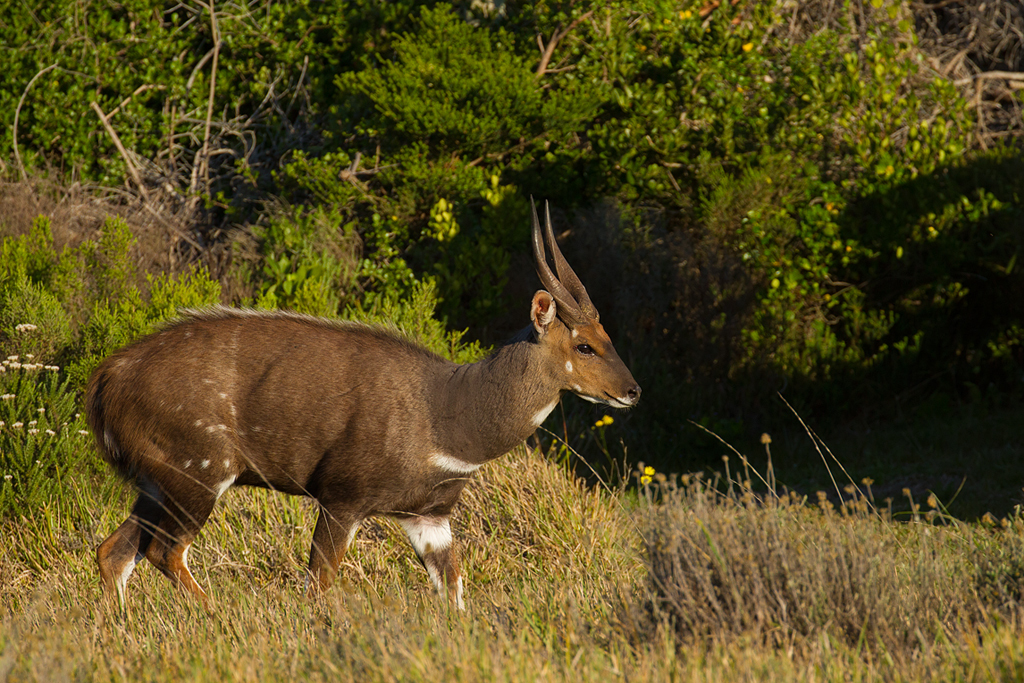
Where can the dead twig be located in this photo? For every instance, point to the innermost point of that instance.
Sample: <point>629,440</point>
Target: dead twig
<point>556,36</point>
<point>120,148</point>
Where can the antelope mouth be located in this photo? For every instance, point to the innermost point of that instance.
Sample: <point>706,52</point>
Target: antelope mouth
<point>617,402</point>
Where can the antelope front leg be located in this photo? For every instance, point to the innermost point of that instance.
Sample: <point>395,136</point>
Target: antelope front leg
<point>431,538</point>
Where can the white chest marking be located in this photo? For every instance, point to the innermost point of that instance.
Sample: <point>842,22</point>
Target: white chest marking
<point>543,413</point>
<point>427,534</point>
<point>450,464</point>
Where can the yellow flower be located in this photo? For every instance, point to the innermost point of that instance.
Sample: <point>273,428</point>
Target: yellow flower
<point>649,471</point>
<point>685,14</point>
<point>606,420</point>
<point>747,47</point>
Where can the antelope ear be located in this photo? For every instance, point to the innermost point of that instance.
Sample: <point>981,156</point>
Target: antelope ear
<point>542,311</point>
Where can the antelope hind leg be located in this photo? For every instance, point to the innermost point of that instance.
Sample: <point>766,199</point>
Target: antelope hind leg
<point>335,530</point>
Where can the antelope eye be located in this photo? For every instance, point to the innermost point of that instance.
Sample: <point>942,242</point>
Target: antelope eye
<point>584,349</point>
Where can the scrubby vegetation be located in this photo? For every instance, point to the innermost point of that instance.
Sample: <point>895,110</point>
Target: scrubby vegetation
<point>823,198</point>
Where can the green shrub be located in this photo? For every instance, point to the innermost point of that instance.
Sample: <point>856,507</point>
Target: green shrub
<point>43,441</point>
<point>114,324</point>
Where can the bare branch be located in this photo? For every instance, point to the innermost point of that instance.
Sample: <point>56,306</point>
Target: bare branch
<point>1008,75</point>
<point>140,89</point>
<point>205,159</point>
<point>17,112</point>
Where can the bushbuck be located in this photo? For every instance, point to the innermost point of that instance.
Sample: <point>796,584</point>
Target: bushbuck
<point>356,417</point>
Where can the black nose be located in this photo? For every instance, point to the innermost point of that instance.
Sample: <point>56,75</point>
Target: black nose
<point>633,394</point>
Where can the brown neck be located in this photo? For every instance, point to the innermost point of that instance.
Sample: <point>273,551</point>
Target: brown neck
<point>488,408</point>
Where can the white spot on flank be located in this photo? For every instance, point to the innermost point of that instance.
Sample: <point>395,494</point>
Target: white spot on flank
<point>450,464</point>
<point>568,366</point>
<point>178,409</point>
<point>188,463</point>
<point>216,428</point>
<point>543,413</point>
<point>227,464</point>
<point>198,423</point>
<point>204,464</point>
<point>207,381</point>
<point>232,409</point>
<point>222,395</point>
<point>225,485</point>
<point>427,534</point>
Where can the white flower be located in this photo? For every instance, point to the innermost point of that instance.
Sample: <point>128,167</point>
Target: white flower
<point>8,477</point>
<point>53,368</point>
<point>83,432</point>
<point>17,425</point>
<point>7,397</point>
<point>33,431</point>
<point>33,423</point>
<point>15,365</point>
<point>40,410</point>
<point>30,366</point>
<point>12,358</point>
<point>30,356</point>
<point>50,432</point>
<point>2,423</point>
<point>26,327</point>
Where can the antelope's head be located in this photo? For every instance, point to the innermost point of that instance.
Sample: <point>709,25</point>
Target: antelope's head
<point>569,329</point>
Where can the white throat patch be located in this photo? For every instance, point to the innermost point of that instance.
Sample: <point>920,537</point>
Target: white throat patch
<point>543,413</point>
<point>450,464</point>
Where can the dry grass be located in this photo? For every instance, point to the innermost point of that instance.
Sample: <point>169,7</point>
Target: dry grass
<point>557,589</point>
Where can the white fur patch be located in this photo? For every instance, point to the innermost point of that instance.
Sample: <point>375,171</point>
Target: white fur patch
<point>543,413</point>
<point>427,534</point>
<point>197,423</point>
<point>188,463</point>
<point>352,535</point>
<point>122,581</point>
<point>450,464</point>
<point>204,464</point>
<point>458,595</point>
<point>227,464</point>
<point>225,485</point>
<point>577,388</point>
<point>568,366</point>
<point>575,334</point>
